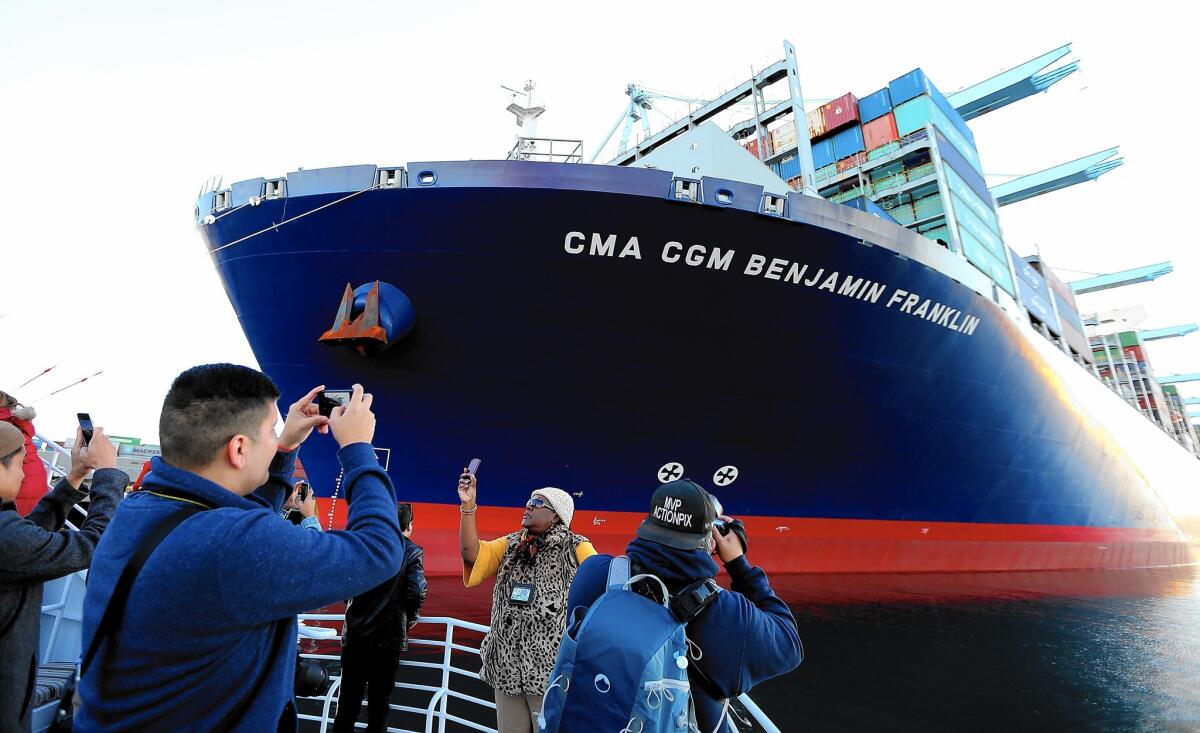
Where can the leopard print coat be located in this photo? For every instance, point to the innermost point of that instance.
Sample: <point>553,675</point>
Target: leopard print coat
<point>519,651</point>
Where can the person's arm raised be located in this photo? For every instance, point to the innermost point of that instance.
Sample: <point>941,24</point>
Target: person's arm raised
<point>468,535</point>
<point>272,569</point>
<point>303,416</point>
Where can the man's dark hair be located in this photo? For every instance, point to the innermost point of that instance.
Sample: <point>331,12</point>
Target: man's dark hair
<point>404,515</point>
<point>206,406</point>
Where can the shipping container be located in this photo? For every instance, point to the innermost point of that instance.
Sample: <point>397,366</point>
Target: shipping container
<point>751,147</point>
<point>848,142</point>
<point>846,164</point>
<point>840,112</point>
<point>874,106</point>
<point>883,150</point>
<point>789,168</point>
<point>816,123</point>
<point>826,171</point>
<point>914,84</point>
<point>916,113</point>
<point>880,131</point>
<point>823,153</point>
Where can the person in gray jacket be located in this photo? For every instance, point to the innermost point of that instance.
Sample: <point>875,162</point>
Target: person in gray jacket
<point>36,549</point>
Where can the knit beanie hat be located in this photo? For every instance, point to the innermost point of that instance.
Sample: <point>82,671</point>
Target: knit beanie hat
<point>559,500</point>
<point>11,441</point>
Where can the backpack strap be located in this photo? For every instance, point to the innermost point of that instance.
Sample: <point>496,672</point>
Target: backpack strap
<point>618,572</point>
<point>110,620</point>
<point>115,610</point>
<point>691,601</point>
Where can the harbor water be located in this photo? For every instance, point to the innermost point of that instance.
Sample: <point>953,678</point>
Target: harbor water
<point>1066,650</point>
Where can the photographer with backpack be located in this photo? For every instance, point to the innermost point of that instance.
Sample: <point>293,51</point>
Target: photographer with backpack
<point>719,643</point>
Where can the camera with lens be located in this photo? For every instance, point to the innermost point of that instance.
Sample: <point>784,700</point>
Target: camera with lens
<point>312,677</point>
<point>735,526</point>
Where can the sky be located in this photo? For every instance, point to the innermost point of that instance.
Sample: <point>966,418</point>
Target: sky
<point>115,114</point>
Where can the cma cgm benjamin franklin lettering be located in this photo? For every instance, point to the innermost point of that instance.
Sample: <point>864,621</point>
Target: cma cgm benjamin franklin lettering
<point>868,377</point>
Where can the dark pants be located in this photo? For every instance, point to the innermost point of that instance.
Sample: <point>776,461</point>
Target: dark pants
<point>373,668</point>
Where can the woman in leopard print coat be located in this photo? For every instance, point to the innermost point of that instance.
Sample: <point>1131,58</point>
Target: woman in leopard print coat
<point>534,567</point>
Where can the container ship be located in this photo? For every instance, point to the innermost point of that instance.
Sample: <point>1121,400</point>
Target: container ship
<point>826,329</point>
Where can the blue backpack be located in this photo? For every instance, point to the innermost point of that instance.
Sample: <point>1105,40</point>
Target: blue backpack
<point>622,664</point>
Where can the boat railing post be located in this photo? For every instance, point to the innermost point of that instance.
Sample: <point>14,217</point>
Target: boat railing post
<point>446,659</point>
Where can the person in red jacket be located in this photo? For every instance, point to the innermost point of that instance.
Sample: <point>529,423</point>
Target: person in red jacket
<point>35,484</point>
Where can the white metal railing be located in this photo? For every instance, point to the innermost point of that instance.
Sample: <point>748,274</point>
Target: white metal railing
<point>436,709</point>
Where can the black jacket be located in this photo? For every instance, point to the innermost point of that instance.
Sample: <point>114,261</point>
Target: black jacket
<point>380,617</point>
<point>33,550</point>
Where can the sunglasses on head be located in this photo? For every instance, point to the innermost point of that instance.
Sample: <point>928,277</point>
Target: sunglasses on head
<point>536,502</point>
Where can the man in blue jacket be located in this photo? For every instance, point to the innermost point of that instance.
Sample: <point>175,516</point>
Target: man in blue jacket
<point>208,637</point>
<point>745,636</point>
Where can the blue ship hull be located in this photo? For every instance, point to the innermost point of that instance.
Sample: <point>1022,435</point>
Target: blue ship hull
<point>870,430</point>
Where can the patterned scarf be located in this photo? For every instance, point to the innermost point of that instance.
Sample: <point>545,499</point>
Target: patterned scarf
<point>519,652</point>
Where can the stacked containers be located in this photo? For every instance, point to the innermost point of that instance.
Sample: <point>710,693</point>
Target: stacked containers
<point>880,131</point>
<point>1034,294</point>
<point>840,112</point>
<point>915,84</point>
<point>816,124</point>
<point>848,142</point>
<point>752,147</point>
<point>874,106</point>
<point>823,154</point>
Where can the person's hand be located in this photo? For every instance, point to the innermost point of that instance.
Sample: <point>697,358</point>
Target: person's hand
<point>100,453</point>
<point>302,417</point>
<point>308,505</point>
<point>467,488</point>
<point>729,547</point>
<point>354,423</point>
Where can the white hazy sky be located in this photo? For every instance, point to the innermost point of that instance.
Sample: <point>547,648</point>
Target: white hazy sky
<point>115,113</point>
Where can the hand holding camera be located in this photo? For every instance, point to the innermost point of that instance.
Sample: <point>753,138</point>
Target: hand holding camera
<point>730,537</point>
<point>468,486</point>
<point>303,415</point>
<point>97,453</point>
<point>354,423</point>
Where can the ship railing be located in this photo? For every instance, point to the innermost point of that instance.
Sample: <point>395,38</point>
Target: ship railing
<point>436,712</point>
<point>547,149</point>
<point>54,472</point>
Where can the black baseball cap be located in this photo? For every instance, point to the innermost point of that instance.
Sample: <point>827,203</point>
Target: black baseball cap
<point>681,516</point>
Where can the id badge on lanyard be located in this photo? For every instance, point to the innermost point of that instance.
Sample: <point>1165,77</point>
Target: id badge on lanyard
<point>521,594</point>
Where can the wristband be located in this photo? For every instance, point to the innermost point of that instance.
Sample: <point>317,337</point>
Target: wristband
<point>470,511</point>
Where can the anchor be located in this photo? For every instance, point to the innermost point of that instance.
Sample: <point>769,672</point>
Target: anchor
<point>362,330</point>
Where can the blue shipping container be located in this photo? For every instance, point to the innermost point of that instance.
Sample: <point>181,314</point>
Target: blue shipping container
<point>823,153</point>
<point>914,84</point>
<point>848,142</point>
<point>788,169</point>
<point>874,106</point>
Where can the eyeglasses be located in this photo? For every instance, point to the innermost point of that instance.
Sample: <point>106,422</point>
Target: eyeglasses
<point>536,502</point>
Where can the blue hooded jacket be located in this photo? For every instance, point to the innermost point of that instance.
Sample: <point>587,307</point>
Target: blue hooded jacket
<point>201,619</point>
<point>745,637</point>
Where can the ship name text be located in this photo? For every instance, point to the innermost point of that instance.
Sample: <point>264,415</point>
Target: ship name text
<point>775,268</point>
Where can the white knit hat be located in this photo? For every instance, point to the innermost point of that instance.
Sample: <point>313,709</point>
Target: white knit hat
<point>559,500</point>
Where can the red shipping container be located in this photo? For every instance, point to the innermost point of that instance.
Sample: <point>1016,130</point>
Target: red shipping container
<point>752,147</point>
<point>840,112</point>
<point>880,131</point>
<point>846,164</point>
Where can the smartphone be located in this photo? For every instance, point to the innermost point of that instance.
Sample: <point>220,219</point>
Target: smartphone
<point>85,424</point>
<point>473,466</point>
<point>302,492</point>
<point>332,398</point>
